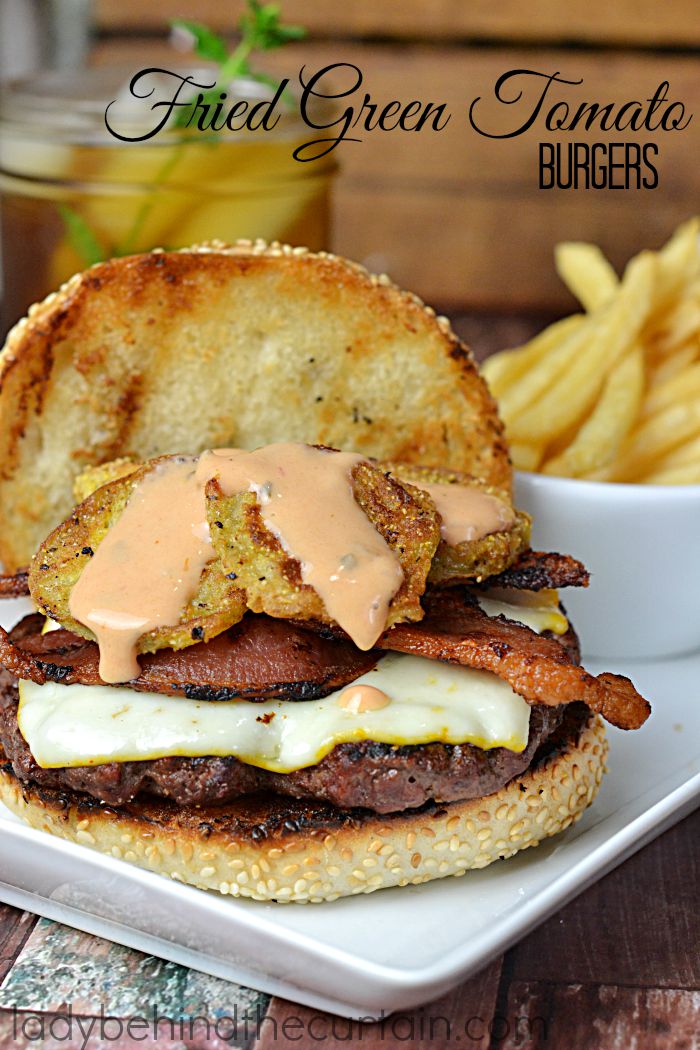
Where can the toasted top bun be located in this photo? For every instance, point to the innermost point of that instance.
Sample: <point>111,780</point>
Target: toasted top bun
<point>218,346</point>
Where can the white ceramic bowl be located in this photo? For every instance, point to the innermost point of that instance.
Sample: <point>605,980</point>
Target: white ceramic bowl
<point>641,544</point>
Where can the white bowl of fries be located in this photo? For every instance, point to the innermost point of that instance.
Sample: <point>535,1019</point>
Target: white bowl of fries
<point>641,544</point>
<point>602,412</point>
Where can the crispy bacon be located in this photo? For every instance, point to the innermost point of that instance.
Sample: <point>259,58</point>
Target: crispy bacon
<point>536,570</point>
<point>538,668</point>
<point>16,586</point>
<point>265,658</point>
<point>259,658</point>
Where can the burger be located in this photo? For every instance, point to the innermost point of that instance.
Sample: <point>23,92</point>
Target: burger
<point>290,641</point>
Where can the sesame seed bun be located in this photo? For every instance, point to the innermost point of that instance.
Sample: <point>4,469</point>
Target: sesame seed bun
<point>281,849</point>
<point>239,345</point>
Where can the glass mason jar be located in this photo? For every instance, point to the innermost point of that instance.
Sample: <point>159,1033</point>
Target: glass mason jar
<point>71,193</point>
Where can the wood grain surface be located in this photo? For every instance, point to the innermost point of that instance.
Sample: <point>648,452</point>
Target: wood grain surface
<point>452,192</point>
<point>639,22</point>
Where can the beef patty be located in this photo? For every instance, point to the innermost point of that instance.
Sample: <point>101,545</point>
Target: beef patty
<point>374,776</point>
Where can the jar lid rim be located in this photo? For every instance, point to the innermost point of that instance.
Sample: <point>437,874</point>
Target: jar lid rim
<point>72,103</point>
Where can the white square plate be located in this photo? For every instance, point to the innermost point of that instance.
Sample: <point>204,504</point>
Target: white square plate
<point>395,948</point>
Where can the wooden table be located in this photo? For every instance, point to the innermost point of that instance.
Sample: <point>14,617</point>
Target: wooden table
<point>617,969</point>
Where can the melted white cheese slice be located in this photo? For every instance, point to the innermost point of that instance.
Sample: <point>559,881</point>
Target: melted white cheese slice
<point>78,725</point>
<point>536,611</point>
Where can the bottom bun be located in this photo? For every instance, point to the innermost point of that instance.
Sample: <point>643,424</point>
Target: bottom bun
<point>283,849</point>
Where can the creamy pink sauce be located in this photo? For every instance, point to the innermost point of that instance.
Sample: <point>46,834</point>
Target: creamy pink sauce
<point>306,500</point>
<point>146,568</point>
<point>361,698</point>
<point>467,513</point>
<point>150,562</point>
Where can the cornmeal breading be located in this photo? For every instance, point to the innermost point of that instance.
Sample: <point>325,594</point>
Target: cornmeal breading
<point>250,569</point>
<point>216,605</point>
<point>473,559</point>
<point>403,515</point>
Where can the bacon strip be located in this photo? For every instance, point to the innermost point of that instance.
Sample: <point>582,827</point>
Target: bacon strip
<point>16,586</point>
<point>258,659</point>
<point>264,658</point>
<point>537,668</point>
<point>536,570</point>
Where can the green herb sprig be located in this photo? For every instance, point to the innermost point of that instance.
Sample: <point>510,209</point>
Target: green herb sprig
<point>260,28</point>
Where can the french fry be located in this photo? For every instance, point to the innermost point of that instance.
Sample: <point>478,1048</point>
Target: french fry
<point>608,335</point>
<point>525,457</point>
<point>674,364</point>
<point>688,475</point>
<point>679,260</point>
<point>614,394</point>
<point>679,324</point>
<point>680,387</point>
<point>601,436</point>
<point>535,382</point>
<point>604,474</point>
<point>656,437</point>
<point>586,273</point>
<point>670,319</point>
<point>687,454</point>
<point>505,368</point>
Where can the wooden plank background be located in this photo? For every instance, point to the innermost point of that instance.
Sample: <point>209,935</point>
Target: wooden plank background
<point>627,22</point>
<point>457,216</point>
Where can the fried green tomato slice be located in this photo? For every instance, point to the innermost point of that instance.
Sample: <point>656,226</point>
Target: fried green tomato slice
<point>95,477</point>
<point>272,579</point>
<point>216,605</point>
<point>473,559</point>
